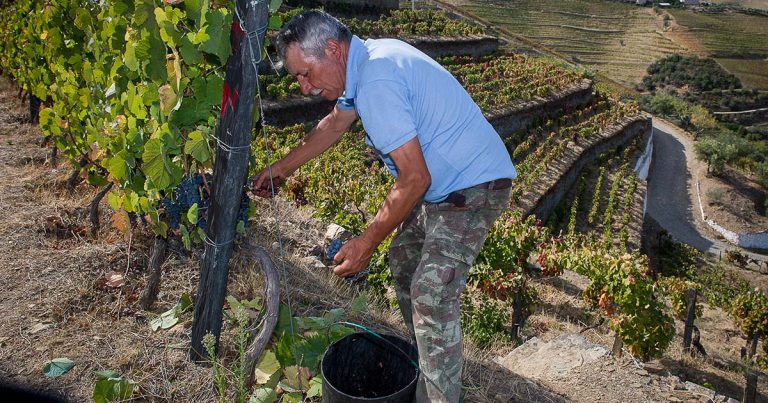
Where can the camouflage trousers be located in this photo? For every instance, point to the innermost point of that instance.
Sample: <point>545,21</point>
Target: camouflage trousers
<point>430,259</point>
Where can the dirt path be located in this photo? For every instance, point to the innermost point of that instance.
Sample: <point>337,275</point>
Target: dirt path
<point>680,34</point>
<point>672,199</point>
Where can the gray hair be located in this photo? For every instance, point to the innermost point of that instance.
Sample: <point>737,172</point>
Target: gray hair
<point>311,30</point>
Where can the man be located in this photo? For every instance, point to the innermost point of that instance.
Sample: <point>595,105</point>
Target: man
<point>453,175</point>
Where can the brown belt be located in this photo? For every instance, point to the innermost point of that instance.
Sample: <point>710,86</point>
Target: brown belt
<point>459,200</point>
<point>498,184</point>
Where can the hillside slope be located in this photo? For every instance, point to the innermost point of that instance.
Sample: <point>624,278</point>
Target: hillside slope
<point>55,303</point>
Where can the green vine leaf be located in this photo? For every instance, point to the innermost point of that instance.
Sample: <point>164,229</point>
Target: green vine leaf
<point>218,29</point>
<point>275,22</point>
<point>168,31</point>
<point>197,147</point>
<point>192,214</point>
<point>213,87</point>
<point>315,387</point>
<point>57,367</point>
<point>120,165</point>
<point>112,389</point>
<point>158,167</point>
<point>310,350</point>
<point>274,5</point>
<point>189,51</point>
<point>196,10</point>
<point>263,395</point>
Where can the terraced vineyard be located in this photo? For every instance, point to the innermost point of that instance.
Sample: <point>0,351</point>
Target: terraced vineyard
<point>759,4</point>
<point>725,34</point>
<point>495,83</point>
<point>752,73</point>
<point>619,40</point>
<point>550,149</point>
<point>606,202</point>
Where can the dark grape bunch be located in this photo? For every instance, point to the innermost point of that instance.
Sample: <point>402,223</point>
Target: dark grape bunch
<point>192,191</point>
<point>333,248</point>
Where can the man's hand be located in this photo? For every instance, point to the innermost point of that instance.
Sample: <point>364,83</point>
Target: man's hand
<point>353,257</point>
<point>261,185</point>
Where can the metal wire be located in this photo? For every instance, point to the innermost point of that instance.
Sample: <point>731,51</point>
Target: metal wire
<point>231,149</point>
<point>216,245</point>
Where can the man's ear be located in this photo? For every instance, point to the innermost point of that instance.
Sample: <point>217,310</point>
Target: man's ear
<point>333,49</point>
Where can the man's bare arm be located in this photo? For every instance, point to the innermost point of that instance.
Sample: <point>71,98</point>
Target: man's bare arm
<point>413,179</point>
<point>324,135</point>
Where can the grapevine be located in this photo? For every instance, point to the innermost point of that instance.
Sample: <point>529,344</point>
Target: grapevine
<point>596,196</point>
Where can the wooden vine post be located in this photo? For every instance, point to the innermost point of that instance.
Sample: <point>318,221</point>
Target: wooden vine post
<point>750,372</point>
<point>689,319</point>
<point>236,124</point>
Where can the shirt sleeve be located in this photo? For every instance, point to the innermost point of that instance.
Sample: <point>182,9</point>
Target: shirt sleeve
<point>387,114</point>
<point>346,104</point>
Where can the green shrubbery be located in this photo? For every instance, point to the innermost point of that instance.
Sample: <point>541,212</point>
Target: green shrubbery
<point>679,71</point>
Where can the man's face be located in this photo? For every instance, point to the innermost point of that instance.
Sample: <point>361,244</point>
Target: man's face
<point>318,76</point>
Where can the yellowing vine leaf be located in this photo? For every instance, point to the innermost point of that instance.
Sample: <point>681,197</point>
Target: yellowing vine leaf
<point>168,99</point>
<point>266,367</point>
<point>120,221</point>
<point>95,153</point>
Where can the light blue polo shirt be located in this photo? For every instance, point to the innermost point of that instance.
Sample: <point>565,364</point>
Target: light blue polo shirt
<point>400,93</point>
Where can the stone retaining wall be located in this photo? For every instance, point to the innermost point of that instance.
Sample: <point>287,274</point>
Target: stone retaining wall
<point>475,46</point>
<point>516,117</point>
<point>296,110</point>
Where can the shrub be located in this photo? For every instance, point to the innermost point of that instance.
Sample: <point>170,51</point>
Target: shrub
<point>715,195</point>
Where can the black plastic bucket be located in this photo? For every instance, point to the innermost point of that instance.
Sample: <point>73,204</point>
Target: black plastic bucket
<point>364,368</point>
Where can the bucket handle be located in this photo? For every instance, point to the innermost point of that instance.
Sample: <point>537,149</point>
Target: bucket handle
<point>359,326</point>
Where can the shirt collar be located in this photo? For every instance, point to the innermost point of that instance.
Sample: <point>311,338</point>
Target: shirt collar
<point>355,58</point>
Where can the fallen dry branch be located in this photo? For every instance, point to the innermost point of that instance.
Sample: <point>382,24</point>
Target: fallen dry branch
<point>272,303</point>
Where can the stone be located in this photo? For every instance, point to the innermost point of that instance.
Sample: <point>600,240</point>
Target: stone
<point>698,389</point>
<point>314,262</point>
<point>39,327</point>
<point>554,359</point>
<point>335,231</point>
<point>678,386</point>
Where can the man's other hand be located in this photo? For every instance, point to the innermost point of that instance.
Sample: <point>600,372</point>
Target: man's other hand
<point>353,257</point>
